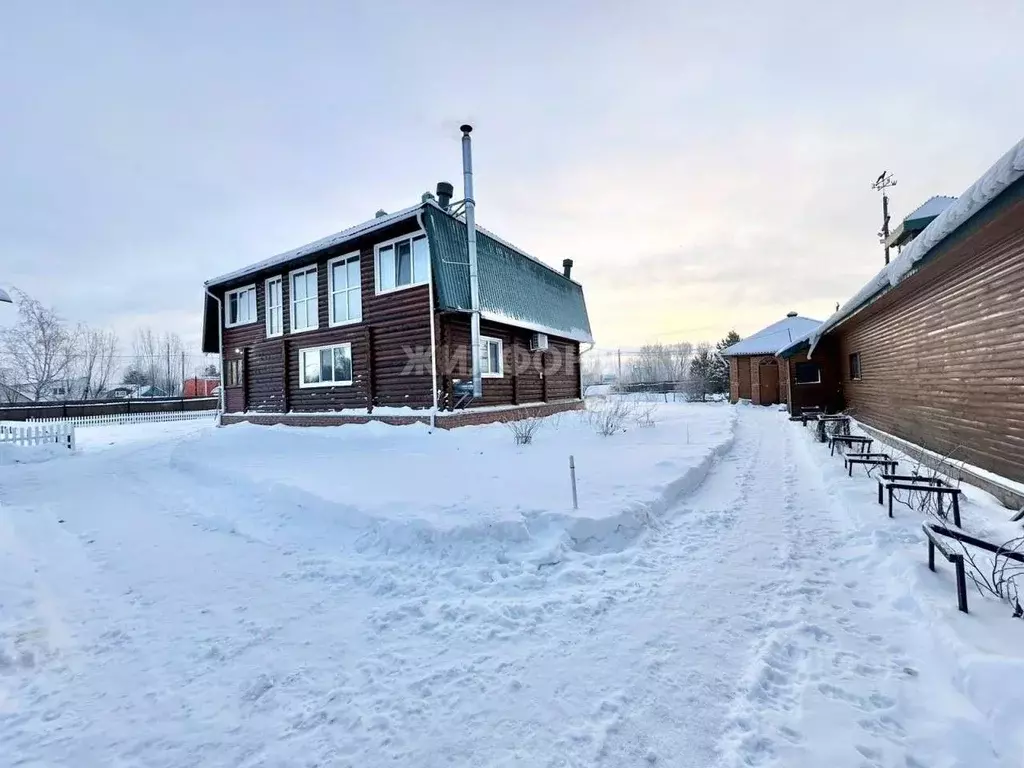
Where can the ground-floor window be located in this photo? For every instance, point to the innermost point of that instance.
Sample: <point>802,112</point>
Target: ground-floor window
<point>233,372</point>
<point>808,373</point>
<point>326,366</point>
<point>491,358</point>
<point>855,366</point>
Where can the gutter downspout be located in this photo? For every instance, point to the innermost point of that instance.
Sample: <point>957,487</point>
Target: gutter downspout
<point>433,339</point>
<point>220,343</point>
<point>579,366</point>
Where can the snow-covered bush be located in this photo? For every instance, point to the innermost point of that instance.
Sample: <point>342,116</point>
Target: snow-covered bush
<point>611,416</point>
<point>525,428</point>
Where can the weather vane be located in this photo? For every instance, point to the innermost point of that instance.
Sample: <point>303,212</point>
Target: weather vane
<point>882,183</point>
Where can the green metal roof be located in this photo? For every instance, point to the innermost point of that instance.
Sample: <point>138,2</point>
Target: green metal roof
<point>514,288</point>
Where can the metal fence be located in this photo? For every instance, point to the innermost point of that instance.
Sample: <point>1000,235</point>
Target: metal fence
<point>110,419</point>
<point>18,433</point>
<point>74,409</point>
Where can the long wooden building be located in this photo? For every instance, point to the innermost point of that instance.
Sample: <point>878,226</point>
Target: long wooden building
<point>374,323</point>
<point>931,350</point>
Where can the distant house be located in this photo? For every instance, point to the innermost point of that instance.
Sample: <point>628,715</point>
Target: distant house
<point>377,317</point>
<point>58,391</point>
<point>132,391</point>
<point>755,373</point>
<point>196,387</point>
<point>931,349</point>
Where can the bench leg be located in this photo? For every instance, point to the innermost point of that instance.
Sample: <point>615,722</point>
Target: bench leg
<point>850,465</point>
<point>931,555</point>
<point>938,502</point>
<point>832,448</point>
<point>956,509</point>
<point>879,492</point>
<point>890,501</point>
<point>961,584</point>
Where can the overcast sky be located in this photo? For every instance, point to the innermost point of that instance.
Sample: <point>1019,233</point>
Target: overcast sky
<point>705,167</point>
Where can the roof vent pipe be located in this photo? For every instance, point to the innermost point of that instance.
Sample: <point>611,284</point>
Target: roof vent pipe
<point>474,280</point>
<point>567,267</point>
<point>380,214</point>
<point>791,314</point>
<point>444,194</point>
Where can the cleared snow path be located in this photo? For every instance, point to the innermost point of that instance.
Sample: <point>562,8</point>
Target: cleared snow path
<point>181,620</point>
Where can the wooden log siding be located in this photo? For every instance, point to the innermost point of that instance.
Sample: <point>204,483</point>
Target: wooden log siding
<point>399,319</point>
<point>942,354</point>
<point>525,385</point>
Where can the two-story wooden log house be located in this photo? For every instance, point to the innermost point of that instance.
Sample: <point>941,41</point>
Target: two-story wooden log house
<point>374,323</point>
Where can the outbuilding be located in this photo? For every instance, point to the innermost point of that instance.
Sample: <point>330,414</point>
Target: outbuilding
<point>757,375</point>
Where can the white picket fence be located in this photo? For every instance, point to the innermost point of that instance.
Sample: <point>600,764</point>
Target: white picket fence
<point>20,433</point>
<point>109,419</point>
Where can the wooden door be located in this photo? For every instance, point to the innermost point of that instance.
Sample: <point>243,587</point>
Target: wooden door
<point>769,381</point>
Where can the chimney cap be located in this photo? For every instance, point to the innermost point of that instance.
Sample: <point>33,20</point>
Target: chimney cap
<point>466,128</point>
<point>380,213</point>
<point>791,314</point>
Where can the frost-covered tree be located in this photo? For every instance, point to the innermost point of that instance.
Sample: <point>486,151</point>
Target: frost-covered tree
<point>39,349</point>
<point>702,372</point>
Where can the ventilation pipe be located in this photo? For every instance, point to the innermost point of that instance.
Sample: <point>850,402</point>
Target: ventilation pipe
<point>444,194</point>
<point>474,278</point>
<point>567,267</point>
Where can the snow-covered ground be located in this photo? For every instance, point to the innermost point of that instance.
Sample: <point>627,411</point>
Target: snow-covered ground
<point>378,595</point>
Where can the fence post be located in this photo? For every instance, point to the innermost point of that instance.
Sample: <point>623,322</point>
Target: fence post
<point>572,477</point>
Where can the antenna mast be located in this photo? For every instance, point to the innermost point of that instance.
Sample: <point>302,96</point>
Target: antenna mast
<point>882,183</point>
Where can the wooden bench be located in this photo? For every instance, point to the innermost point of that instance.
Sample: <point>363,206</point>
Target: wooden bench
<point>933,532</point>
<point>865,443</point>
<point>890,483</point>
<point>883,460</point>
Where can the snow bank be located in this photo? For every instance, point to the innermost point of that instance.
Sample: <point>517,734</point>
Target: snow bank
<point>466,493</point>
<point>31,454</point>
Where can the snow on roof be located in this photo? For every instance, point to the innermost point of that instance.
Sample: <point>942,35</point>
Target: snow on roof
<point>930,208</point>
<point>318,245</point>
<point>1006,170</point>
<point>768,340</point>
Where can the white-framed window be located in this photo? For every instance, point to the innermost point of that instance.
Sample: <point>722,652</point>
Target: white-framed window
<point>275,306</point>
<point>329,366</point>
<point>492,364</point>
<point>303,304</point>
<point>808,373</point>
<point>346,301</point>
<point>402,262</point>
<point>240,306</point>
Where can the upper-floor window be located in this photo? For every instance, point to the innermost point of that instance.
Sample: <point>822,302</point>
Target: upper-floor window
<point>304,304</point>
<point>402,262</point>
<point>344,286</point>
<point>275,307</point>
<point>855,366</point>
<point>241,306</point>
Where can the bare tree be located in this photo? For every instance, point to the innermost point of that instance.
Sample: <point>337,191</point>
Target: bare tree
<point>39,348</point>
<point>95,361</point>
<point>157,358</point>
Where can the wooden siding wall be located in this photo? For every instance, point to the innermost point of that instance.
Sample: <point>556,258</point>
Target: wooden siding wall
<point>527,385</point>
<point>398,321</point>
<point>827,395</point>
<point>942,355</point>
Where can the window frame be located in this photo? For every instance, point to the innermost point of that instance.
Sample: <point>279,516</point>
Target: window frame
<point>487,341</point>
<point>855,356</point>
<point>320,384</point>
<point>228,365</point>
<point>315,269</point>
<point>227,306</point>
<point>412,263</point>
<point>344,258</point>
<point>796,379</point>
<point>279,279</point>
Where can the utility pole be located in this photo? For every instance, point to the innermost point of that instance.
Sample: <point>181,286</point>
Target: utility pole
<point>183,373</point>
<point>168,394</point>
<point>882,183</point>
<point>619,381</point>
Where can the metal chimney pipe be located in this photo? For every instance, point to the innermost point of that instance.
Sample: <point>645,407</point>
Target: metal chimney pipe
<point>567,267</point>
<point>474,278</point>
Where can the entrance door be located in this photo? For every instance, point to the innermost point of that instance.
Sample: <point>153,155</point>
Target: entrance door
<point>768,372</point>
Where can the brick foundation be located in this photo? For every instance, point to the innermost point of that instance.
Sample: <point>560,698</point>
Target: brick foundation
<point>444,420</point>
